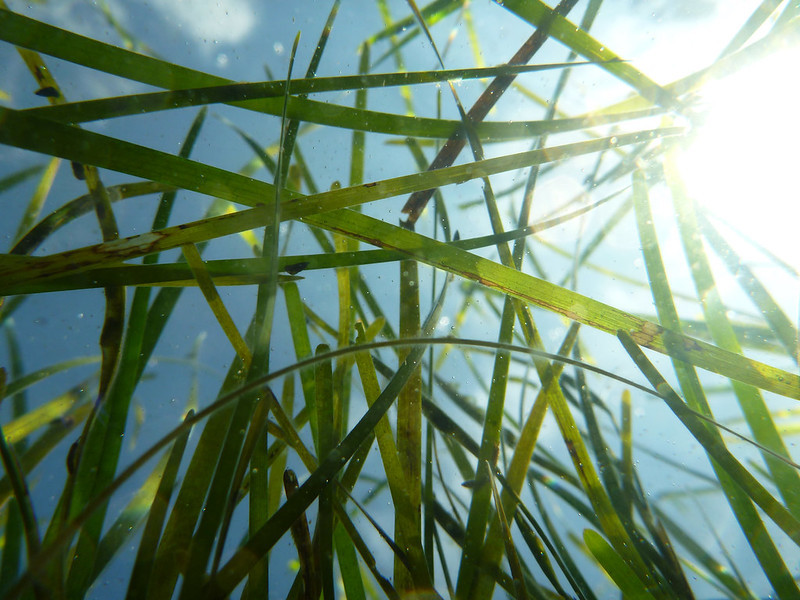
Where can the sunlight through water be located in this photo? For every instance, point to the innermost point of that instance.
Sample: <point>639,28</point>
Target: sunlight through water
<point>743,164</point>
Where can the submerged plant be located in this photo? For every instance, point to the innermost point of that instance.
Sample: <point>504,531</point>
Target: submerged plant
<point>445,376</point>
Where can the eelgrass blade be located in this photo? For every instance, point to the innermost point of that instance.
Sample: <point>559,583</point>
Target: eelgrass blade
<point>129,39</point>
<point>348,564</point>
<point>476,147</point>
<point>456,533</point>
<point>399,553</point>
<point>761,543</point>
<point>489,451</point>
<point>99,449</point>
<point>79,405</point>
<point>289,429</point>
<point>736,587</point>
<point>570,304</point>
<point>346,278</point>
<point>165,301</point>
<point>258,581</point>
<point>436,10</point>
<point>15,530</point>
<point>172,553</point>
<point>606,514</point>
<point>626,454</point>
<point>266,478</point>
<point>441,209</point>
<point>782,327</point>
<point>145,555</point>
<point>19,485</point>
<point>13,549</point>
<point>245,271</point>
<point>779,575</point>
<point>10,181</point>
<point>319,325</point>
<point>111,333</point>
<point>104,57</point>
<point>228,450</point>
<point>323,387</point>
<point>520,246</point>
<point>406,484</point>
<point>456,142</point>
<point>613,564</point>
<point>261,330</point>
<point>757,18</point>
<point>77,207</point>
<point>750,399</point>
<point>784,34</point>
<point>364,552</point>
<point>559,550</point>
<point>491,552</point>
<point>539,14</point>
<point>596,497</point>
<point>38,199</point>
<point>173,558</point>
<point>265,297</point>
<point>260,543</point>
<point>659,553</point>
<point>342,373</point>
<point>306,554</point>
<point>539,553</point>
<point>244,94</point>
<point>302,349</point>
<point>48,412</point>
<point>453,431</point>
<point>194,176</point>
<point>508,541</point>
<point>255,433</point>
<point>437,539</point>
<point>129,518</point>
<point>408,526</point>
<point>392,468</point>
<point>428,523</point>
<point>223,317</point>
<point>175,276</point>
<point>102,456</point>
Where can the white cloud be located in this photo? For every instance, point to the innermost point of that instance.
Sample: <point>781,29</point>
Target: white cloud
<point>209,20</point>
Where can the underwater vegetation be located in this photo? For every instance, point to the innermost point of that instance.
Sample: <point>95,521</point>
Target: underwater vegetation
<point>460,300</point>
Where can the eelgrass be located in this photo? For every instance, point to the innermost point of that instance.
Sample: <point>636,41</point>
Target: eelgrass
<point>505,463</point>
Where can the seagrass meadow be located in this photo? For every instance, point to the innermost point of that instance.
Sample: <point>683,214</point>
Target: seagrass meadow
<point>378,299</point>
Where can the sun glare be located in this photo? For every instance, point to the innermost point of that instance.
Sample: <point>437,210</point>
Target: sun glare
<point>743,165</point>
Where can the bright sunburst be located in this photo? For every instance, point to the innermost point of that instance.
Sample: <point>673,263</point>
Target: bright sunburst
<point>744,163</point>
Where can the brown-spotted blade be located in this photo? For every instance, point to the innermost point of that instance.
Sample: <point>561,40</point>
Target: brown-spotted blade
<point>447,155</point>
